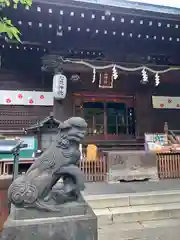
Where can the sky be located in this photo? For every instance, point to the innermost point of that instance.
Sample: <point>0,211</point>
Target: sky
<point>167,3</point>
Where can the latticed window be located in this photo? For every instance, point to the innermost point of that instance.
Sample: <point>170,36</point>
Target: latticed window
<point>18,117</point>
<point>110,118</point>
<point>94,115</point>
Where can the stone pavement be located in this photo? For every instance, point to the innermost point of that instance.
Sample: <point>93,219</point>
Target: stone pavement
<point>131,187</point>
<point>150,230</point>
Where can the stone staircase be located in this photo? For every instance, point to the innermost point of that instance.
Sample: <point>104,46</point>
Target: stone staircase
<point>135,207</point>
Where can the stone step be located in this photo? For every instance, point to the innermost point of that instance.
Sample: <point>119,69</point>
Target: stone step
<point>119,215</point>
<point>129,208</point>
<point>133,199</point>
<point>147,230</point>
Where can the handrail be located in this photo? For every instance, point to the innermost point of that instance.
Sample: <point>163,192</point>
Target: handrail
<point>175,131</point>
<point>171,134</point>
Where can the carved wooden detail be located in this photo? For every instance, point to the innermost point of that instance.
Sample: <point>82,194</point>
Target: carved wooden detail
<point>18,117</point>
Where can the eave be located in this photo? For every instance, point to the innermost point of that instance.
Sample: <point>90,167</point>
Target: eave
<point>73,27</point>
<point>120,6</point>
<point>40,124</point>
<point>12,132</point>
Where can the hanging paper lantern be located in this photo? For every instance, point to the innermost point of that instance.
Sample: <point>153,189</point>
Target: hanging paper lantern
<point>157,79</point>
<point>59,86</point>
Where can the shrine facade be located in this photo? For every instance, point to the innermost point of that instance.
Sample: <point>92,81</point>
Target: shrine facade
<point>121,65</point>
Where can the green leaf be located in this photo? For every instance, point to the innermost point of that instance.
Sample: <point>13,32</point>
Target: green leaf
<point>7,3</point>
<point>8,22</point>
<point>9,29</point>
<point>10,35</point>
<point>4,3</point>
<point>6,26</point>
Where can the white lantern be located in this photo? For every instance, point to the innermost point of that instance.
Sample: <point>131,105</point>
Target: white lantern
<point>59,86</point>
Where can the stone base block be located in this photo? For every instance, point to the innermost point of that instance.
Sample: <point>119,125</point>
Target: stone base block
<point>76,227</point>
<point>67,209</point>
<point>140,174</point>
<point>132,166</point>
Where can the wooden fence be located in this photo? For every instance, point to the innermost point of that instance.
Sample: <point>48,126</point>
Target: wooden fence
<point>168,165</point>
<point>94,171</point>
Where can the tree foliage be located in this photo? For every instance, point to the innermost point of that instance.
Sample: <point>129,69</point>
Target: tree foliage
<point>6,26</point>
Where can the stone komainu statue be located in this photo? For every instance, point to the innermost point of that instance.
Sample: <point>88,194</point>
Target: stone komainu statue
<point>37,188</point>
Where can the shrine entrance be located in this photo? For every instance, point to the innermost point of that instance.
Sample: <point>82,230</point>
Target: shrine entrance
<point>109,119</point>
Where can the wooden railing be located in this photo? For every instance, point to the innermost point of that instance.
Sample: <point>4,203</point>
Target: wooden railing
<point>168,165</point>
<point>94,171</point>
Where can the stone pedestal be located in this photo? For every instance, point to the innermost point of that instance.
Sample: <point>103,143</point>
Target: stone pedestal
<point>132,165</point>
<point>50,225</point>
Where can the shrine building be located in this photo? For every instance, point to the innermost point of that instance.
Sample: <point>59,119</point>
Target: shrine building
<point>121,64</point>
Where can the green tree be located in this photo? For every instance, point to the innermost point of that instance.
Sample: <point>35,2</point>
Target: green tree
<point>6,26</point>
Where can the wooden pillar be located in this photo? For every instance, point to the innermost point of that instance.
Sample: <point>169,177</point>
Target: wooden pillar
<point>105,121</point>
<point>166,133</point>
<point>144,112</point>
<point>63,109</point>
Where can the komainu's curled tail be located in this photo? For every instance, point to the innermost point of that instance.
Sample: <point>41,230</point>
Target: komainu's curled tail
<point>22,192</point>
